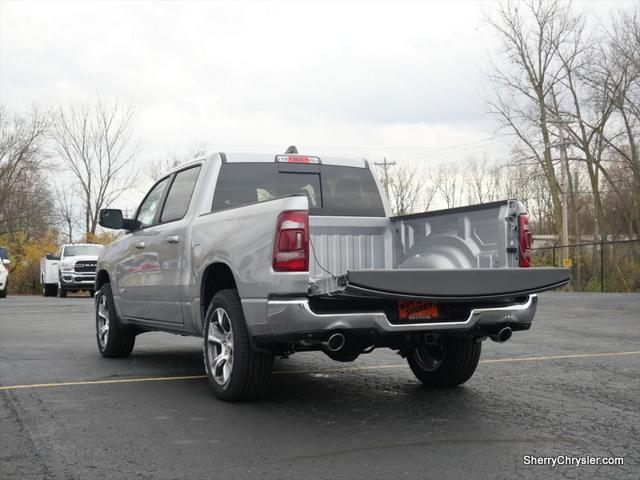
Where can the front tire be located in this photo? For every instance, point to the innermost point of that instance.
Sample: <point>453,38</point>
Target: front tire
<point>114,339</point>
<point>449,364</point>
<point>62,293</point>
<point>3,293</point>
<point>236,371</point>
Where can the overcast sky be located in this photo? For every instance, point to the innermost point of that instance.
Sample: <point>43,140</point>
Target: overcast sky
<point>403,80</point>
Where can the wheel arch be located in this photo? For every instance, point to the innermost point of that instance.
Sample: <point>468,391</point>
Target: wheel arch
<point>217,276</point>
<point>101,278</point>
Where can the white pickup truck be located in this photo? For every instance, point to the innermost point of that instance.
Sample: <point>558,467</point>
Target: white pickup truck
<point>266,255</point>
<point>72,270</point>
<point>4,272</point>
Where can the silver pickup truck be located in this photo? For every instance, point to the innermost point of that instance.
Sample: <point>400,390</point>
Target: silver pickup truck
<point>267,255</point>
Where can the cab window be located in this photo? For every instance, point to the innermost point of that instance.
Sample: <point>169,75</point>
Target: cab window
<point>149,207</point>
<point>179,196</point>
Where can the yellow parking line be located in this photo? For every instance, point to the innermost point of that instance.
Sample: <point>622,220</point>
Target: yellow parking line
<point>318,371</point>
<point>559,357</point>
<point>101,382</point>
<point>495,360</point>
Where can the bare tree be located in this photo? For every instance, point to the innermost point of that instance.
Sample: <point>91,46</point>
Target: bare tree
<point>21,149</point>
<point>532,33</point>
<point>619,81</point>
<point>404,189</point>
<point>448,183</point>
<point>428,194</point>
<point>174,159</point>
<point>480,181</point>
<point>22,157</point>
<point>95,144</point>
<point>66,210</point>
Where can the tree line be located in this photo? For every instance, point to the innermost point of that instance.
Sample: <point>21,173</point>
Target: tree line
<point>566,95</point>
<point>58,168</point>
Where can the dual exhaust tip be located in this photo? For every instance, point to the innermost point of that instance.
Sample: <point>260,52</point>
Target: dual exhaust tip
<point>502,336</point>
<point>334,343</point>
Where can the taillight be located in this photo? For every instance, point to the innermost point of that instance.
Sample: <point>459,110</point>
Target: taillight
<point>291,245</point>
<point>524,239</point>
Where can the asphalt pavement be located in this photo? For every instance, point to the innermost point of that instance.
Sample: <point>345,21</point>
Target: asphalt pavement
<point>568,387</point>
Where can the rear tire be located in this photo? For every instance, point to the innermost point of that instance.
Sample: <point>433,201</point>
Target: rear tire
<point>451,363</point>
<point>114,339</point>
<point>236,371</point>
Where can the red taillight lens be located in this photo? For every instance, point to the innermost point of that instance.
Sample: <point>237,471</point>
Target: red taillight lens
<point>524,238</point>
<point>291,245</point>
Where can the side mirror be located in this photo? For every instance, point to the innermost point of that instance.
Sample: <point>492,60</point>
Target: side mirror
<point>112,218</point>
<point>6,261</point>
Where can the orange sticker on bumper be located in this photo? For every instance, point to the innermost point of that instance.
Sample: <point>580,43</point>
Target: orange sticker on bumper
<point>411,310</point>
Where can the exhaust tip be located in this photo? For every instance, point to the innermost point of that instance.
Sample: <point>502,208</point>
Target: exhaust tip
<point>335,342</point>
<point>503,335</point>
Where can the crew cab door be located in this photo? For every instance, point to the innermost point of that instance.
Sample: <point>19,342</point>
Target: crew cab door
<point>134,261</point>
<point>166,242</point>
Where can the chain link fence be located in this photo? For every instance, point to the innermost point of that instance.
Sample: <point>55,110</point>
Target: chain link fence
<point>608,266</point>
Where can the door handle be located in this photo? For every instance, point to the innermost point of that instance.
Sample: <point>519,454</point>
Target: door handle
<point>139,245</point>
<point>173,239</point>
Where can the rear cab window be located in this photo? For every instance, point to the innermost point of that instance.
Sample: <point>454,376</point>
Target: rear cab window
<point>331,190</point>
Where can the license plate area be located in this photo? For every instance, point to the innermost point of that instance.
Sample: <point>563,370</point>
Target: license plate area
<point>410,311</point>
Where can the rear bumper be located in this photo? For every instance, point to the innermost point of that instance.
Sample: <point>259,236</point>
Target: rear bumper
<point>295,317</point>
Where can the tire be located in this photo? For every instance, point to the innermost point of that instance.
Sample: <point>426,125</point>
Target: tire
<point>49,290</point>
<point>91,292</point>
<point>450,364</point>
<point>244,373</point>
<point>117,340</point>
<point>62,293</point>
<point>3,293</point>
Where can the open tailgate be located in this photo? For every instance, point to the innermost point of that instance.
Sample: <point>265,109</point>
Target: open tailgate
<point>448,284</point>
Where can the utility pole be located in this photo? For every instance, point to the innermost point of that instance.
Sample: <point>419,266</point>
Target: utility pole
<point>564,171</point>
<point>564,168</point>
<point>385,168</point>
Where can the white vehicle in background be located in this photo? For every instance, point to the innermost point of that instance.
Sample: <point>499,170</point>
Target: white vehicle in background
<point>4,272</point>
<point>72,270</point>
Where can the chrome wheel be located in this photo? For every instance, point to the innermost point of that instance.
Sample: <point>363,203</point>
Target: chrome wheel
<point>220,346</point>
<point>103,321</point>
<point>429,358</point>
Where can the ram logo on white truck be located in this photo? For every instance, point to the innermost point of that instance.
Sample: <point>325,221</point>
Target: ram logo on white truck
<point>4,272</point>
<point>72,270</point>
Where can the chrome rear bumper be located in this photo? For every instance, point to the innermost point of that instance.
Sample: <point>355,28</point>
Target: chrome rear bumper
<point>295,316</point>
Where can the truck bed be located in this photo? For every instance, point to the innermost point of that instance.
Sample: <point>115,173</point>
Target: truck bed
<point>461,254</point>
